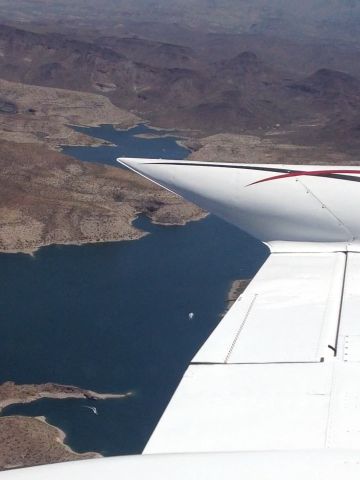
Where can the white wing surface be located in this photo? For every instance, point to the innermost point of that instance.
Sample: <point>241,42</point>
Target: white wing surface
<point>280,371</point>
<point>268,377</point>
<point>296,465</point>
<point>274,203</point>
<point>289,313</point>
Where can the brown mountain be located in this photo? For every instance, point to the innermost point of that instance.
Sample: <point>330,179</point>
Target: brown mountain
<point>174,86</point>
<point>56,61</point>
<point>329,84</point>
<point>156,54</point>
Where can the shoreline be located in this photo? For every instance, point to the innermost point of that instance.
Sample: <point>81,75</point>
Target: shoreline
<point>168,214</point>
<point>76,243</point>
<point>127,238</point>
<point>27,393</point>
<point>53,110</point>
<point>236,289</point>
<point>62,440</point>
<point>30,441</point>
<point>26,440</point>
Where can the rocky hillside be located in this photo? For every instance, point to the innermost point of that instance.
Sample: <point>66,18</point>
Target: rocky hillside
<point>48,198</point>
<point>179,87</point>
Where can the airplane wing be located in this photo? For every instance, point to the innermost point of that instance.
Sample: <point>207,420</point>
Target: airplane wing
<point>279,372</point>
<point>274,392</point>
<point>291,204</point>
<point>266,465</point>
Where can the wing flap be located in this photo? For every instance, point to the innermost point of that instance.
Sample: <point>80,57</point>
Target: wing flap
<point>258,382</point>
<point>226,407</point>
<point>288,313</point>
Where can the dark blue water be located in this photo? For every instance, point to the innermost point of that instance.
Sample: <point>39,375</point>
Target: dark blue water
<point>128,144</point>
<point>114,318</point>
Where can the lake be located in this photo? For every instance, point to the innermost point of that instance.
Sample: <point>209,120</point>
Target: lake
<point>128,144</point>
<point>113,317</point>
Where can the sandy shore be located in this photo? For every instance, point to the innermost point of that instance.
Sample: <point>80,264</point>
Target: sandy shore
<point>44,115</point>
<point>11,393</point>
<point>226,147</point>
<point>27,441</point>
<point>48,198</point>
<point>236,289</point>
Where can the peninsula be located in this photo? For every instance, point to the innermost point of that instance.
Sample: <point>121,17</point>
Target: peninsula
<point>49,198</point>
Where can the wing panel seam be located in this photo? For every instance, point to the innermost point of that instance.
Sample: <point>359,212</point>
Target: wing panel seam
<point>340,223</point>
<point>240,329</point>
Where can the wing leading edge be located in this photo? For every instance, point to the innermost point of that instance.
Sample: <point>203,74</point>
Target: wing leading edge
<point>267,201</point>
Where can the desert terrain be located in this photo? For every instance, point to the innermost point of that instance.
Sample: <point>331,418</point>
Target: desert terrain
<point>247,105</point>
<point>27,441</point>
<point>243,82</point>
<point>49,198</point>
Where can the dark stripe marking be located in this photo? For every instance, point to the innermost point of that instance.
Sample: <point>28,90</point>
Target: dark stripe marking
<point>286,173</point>
<point>314,173</point>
